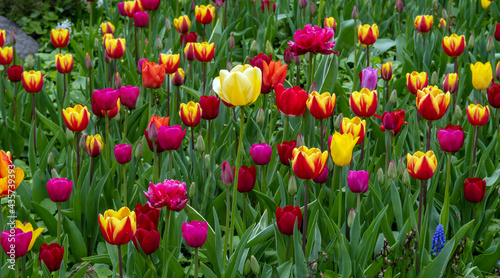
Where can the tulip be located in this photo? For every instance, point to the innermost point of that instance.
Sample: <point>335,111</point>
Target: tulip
<point>204,14</point>
<point>341,146</point>
<point>314,40</point>
<point>32,81</point>
<point>421,166</point>
<point>287,217</point>
<point>354,126</point>
<point>94,145</point>
<point>477,114</point>
<point>189,37</point>
<point>182,24</point>
<point>322,177</point>
<point>132,7</point>
<point>195,233</point>
<point>367,34</point>
<point>358,181</point>
<point>153,75</point>
<point>330,22</point>
<point>321,106</point>
<point>482,74</point>
<point>226,174</point>
<point>115,48</point>
<point>2,38</point>
<point>147,216</point>
<point>432,103</point>
<point>128,96</point>
<point>493,93</point>
<point>261,153</point>
<point>10,176</point>
<point>6,55</point>
<point>368,78</point>
<point>454,45</point>
<point>123,153</point>
<point>486,3</point>
<point>51,255</point>
<point>442,23</point>
<point>121,8</point>
<point>210,107</point>
<point>107,28</point>
<point>76,118</point>
<point>59,189</point>
<point>285,151</point>
<point>273,73</point>
<point>148,239</point>
<point>19,239</point>
<point>204,52</point>
<point>106,99</point>
<point>113,112</point>
<point>14,73</point>
<point>290,101</point>
<point>386,71</point>
<point>59,37</point>
<point>178,78</point>
<point>392,121</point>
<point>141,19</point>
<point>239,87</point>
<point>118,227</point>
<point>497,71</point>
<point>150,5</point>
<point>170,61</point>
<point>307,164</point>
<point>26,228</point>
<point>450,83</point>
<point>247,177</point>
<point>171,194</point>
<point>451,138</point>
<point>105,37</point>
<point>190,114</point>
<point>259,60</point>
<point>474,190</point>
<point>423,23</point>
<point>363,103</point>
<point>64,63</point>
<point>416,81</point>
<point>189,51</point>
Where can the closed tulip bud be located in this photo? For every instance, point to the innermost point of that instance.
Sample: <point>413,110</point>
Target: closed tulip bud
<point>355,12</point>
<point>138,151</point>
<point>269,49</point>
<point>29,62</point>
<point>107,59</point>
<point>482,75</point>
<point>300,140</point>
<point>471,42</point>
<point>434,79</point>
<point>12,36</point>
<point>292,186</point>
<point>83,141</point>
<point>474,190</point>
<point>386,71</point>
<point>200,144</point>
<point>231,43</point>
<point>168,26</point>
<point>59,37</point>
<point>260,117</point>
<point>54,174</point>
<point>399,6</point>
<point>393,99</point>
<point>391,171</point>
<point>380,176</point>
<point>182,24</point>
<point>178,77</point>
<point>246,268</point>
<point>88,62</point>
<point>207,161</point>
<point>296,60</point>
<point>51,159</point>
<point>253,47</point>
<point>350,218</point>
<point>118,81</point>
<point>193,5</point>
<point>69,135</point>
<point>226,173</point>
<point>288,56</point>
<point>338,121</point>
<point>497,71</point>
<point>457,113</point>
<point>450,83</point>
<point>254,265</point>
<point>229,66</point>
<point>401,166</point>
<point>152,131</point>
<point>158,44</point>
<point>406,178</point>
<point>190,113</point>
<point>192,190</point>
<point>490,44</point>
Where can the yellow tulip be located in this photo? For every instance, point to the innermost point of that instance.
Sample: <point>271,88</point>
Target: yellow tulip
<point>482,74</point>
<point>239,87</point>
<point>486,3</point>
<point>29,228</point>
<point>341,148</point>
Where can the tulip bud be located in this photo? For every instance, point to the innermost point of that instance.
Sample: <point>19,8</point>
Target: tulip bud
<point>226,174</point>
<point>146,42</point>
<point>229,67</point>
<point>51,160</point>
<point>401,167</point>
<point>380,176</point>
<point>444,15</point>
<point>350,218</point>
<point>253,48</point>
<point>54,173</point>
<point>355,12</point>
<point>391,171</point>
<point>313,87</point>
<point>434,78</point>
<point>12,36</point>
<point>193,6</point>
<point>300,140</point>
<point>118,81</point>
<point>107,59</point>
<point>192,190</point>
<point>471,42</point>
<point>117,117</point>
<point>83,141</point>
<point>393,99</point>
<point>246,268</point>
<point>207,161</point>
<point>138,151</point>
<point>458,113</point>
<point>158,44</point>
<point>399,6</point>
<point>30,62</point>
<point>490,44</point>
<point>168,26</point>
<point>69,135</point>
<point>406,178</point>
<point>97,43</point>
<point>312,9</point>
<point>260,117</point>
<point>288,56</point>
<point>254,265</point>
<point>152,132</point>
<point>329,164</point>
<point>338,121</point>
<point>292,186</point>
<point>231,44</point>
<point>269,49</point>
<point>88,62</point>
<point>302,4</point>
<point>296,60</point>
<point>200,144</point>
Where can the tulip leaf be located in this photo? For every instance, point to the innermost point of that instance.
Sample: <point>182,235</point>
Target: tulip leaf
<point>47,217</point>
<point>76,243</point>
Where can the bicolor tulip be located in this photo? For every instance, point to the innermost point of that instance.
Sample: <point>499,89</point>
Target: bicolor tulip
<point>64,63</point>
<point>368,78</point>
<point>474,190</point>
<point>94,145</point>
<point>330,22</point>
<point>454,45</point>
<point>432,103</point>
<point>363,103</point>
<point>290,101</point>
<point>273,73</point>
<point>9,175</point>
<point>32,81</point>
<point>321,106</point>
<point>158,122</point>
<point>59,189</point>
<point>129,95</point>
<point>482,74</point>
<point>442,23</point>
<point>190,113</point>
<point>497,71</point>
<point>247,176</point>
<point>26,228</point>
<point>123,153</point>
<point>121,8</point>
<point>189,51</point>
<point>341,146</point>
<point>423,23</point>
<point>2,38</point>
<point>204,14</point>
<point>493,93</point>
<point>285,151</point>
<point>477,114</point>
<point>287,218</point>
<point>150,5</point>
<point>107,28</point>
<point>354,126</point>
<point>178,78</point>
<point>182,24</point>
<point>307,164</point>
<point>171,194</point>
<point>358,181</point>
<point>153,75</point>
<point>113,112</point>
<point>141,19</point>
<point>131,7</point>
<point>239,87</point>
<point>204,52</point>
<point>170,61</point>
<point>15,73</point>
<point>106,98</point>
<point>416,81</point>
<point>261,153</point>
<point>210,107</point>
<point>19,239</point>
<point>386,71</point>
<point>367,34</point>
<point>118,227</point>
<point>106,37</point>
<point>59,37</point>
<point>115,48</point>
<point>450,83</point>
<point>313,40</point>
<point>51,255</point>
<point>451,138</point>
<point>195,233</point>
<point>421,166</point>
<point>6,55</point>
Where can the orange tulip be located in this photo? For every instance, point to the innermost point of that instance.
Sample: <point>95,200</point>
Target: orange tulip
<point>59,37</point>
<point>76,118</point>
<point>321,106</point>
<point>152,74</point>
<point>190,113</point>
<point>363,103</point>
<point>432,103</point>
<point>477,114</point>
<point>416,81</point>
<point>64,63</point>
<point>354,126</point>
<point>454,45</point>
<point>107,28</point>
<point>6,55</point>
<point>115,48</point>
<point>307,164</point>
<point>204,14</point>
<point>367,34</point>
<point>171,62</point>
<point>204,52</point>
<point>10,176</point>
<point>421,166</point>
<point>272,75</point>
<point>423,23</point>
<point>32,81</point>
<point>131,7</point>
<point>182,24</point>
<point>118,227</point>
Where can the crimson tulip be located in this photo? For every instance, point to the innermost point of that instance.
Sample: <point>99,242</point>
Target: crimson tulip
<point>287,217</point>
<point>51,255</point>
<point>246,180</point>
<point>285,151</point>
<point>290,101</point>
<point>474,190</point>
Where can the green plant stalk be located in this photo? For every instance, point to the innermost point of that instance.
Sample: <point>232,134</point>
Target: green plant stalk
<point>304,224</point>
<point>77,141</point>
<point>209,135</point>
<point>367,56</point>
<point>340,205</point>
<point>355,57</point>
<point>34,123</point>
<point>150,102</point>
<point>237,169</point>
<point>170,158</point>
<point>387,148</point>
<point>322,133</point>
<point>124,185</point>
<point>476,135</point>
<point>59,221</point>
<point>107,137</point>
<point>155,165</point>
<point>264,111</point>
<point>358,202</point>
<point>320,10</point>
<point>498,133</point>
<point>120,264</point>
<point>446,206</point>
<point>288,244</point>
<point>165,236</point>
<point>226,236</point>
<point>263,179</point>
<point>125,127</point>
<point>334,179</point>
<point>244,218</point>
<point>196,263</point>
<point>286,128</point>
<point>17,267</point>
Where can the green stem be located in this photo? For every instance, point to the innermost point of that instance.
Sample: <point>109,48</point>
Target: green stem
<point>17,267</point>
<point>170,158</point>
<point>150,102</point>
<point>124,185</point>
<point>165,237</point>
<point>358,203</point>
<point>304,224</point>
<point>446,206</point>
<point>244,211</point>
<point>288,244</point>
<point>263,179</point>
<point>320,10</point>
<point>387,146</point>
<point>226,236</point>
<point>107,137</point>
<point>155,176</point>
<point>476,135</point>
<point>340,205</point>
<point>59,222</point>
<point>334,179</point>
<point>209,136</point>
<point>125,127</point>
<point>355,57</point>
<point>196,263</point>
<point>286,128</point>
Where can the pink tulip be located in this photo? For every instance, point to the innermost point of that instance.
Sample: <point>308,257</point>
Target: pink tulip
<point>20,243</point>
<point>106,98</point>
<point>226,173</point>
<point>195,233</point>
<point>59,189</point>
<point>261,153</point>
<point>313,39</point>
<point>129,95</point>
<point>170,137</point>
<point>141,19</point>
<point>171,194</point>
<point>150,5</point>
<point>358,181</point>
<point>451,139</point>
<point>123,153</point>
<point>121,9</point>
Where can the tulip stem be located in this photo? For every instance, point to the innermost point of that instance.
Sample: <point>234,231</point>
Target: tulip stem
<point>355,57</point>
<point>150,102</point>
<point>297,79</point>
<point>192,137</point>
<point>64,89</point>
<point>429,135</point>
<point>125,127</point>
<point>17,267</point>
<point>304,224</point>
<point>120,260</point>
<point>91,171</point>
<point>358,203</point>
<point>286,128</point>
<point>226,237</point>
<point>196,262</point>
<point>170,158</point>
<point>136,49</point>
<point>155,167</point>
<point>446,206</point>
<point>498,133</point>
<point>59,221</point>
<point>244,211</point>
<point>34,122</point>
<point>165,237</point>
<point>263,179</point>
<point>209,136</point>
<point>107,136</point>
<point>332,189</point>
<point>320,10</point>
<point>322,133</point>
<point>340,204</point>
<point>204,66</point>
<point>367,56</point>
<point>23,265</point>
<point>15,101</point>
<point>77,155</point>
<point>124,186</point>
<point>168,95</point>
<point>288,243</point>
<point>237,170</point>
<point>387,148</point>
<point>476,135</point>
<point>420,205</point>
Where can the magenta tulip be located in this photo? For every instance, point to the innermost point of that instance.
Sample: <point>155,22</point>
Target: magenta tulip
<point>358,181</point>
<point>150,5</point>
<point>141,19</point>
<point>171,194</point>
<point>129,95</point>
<point>139,65</point>
<point>451,139</point>
<point>123,153</point>
<point>195,233</point>
<point>261,153</point>
<point>15,243</point>
<point>368,78</point>
<point>121,9</point>
<point>226,174</point>
<point>323,176</point>
<point>170,137</point>
<point>59,189</point>
<point>106,98</point>
<point>313,39</point>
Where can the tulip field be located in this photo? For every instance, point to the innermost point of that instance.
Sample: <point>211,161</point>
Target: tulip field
<point>276,138</point>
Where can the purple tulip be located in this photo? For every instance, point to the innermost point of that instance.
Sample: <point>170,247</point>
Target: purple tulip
<point>141,19</point>
<point>261,153</point>
<point>123,153</point>
<point>170,137</point>
<point>226,173</point>
<point>20,243</point>
<point>59,189</point>
<point>368,78</point>
<point>129,95</point>
<point>106,98</point>
<point>451,138</point>
<point>195,233</point>
<point>358,181</point>
<point>323,176</point>
<point>121,8</point>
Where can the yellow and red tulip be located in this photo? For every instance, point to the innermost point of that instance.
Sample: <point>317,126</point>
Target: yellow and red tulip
<point>477,114</point>
<point>32,81</point>
<point>482,74</point>
<point>421,166</point>
<point>59,37</point>
<point>416,81</point>
<point>321,106</point>
<point>204,52</point>
<point>6,55</point>
<point>171,62</point>
<point>432,103</point>
<point>64,63</point>
<point>2,38</point>
<point>330,23</point>
<point>423,23</point>
<point>190,113</point>
<point>307,164</point>
<point>454,45</point>
<point>107,28</point>
<point>442,23</point>
<point>204,14</point>
<point>189,51</point>
<point>118,227</point>
<point>131,7</point>
<point>115,48</point>
<point>94,145</point>
<point>368,34</point>
<point>10,176</point>
<point>182,24</point>
<point>178,77</point>
<point>354,126</point>
<point>76,118</point>
<point>363,103</point>
<point>341,146</point>
<point>450,83</point>
<point>386,71</point>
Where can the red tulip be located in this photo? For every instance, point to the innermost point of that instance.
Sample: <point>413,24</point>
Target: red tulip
<point>15,73</point>
<point>147,215</point>
<point>210,107</point>
<point>258,61</point>
<point>148,239</point>
<point>290,101</point>
<point>285,151</point>
<point>493,93</point>
<point>395,120</point>
<point>286,219</point>
<point>52,256</point>
<point>497,31</point>
<point>189,37</point>
<point>246,178</point>
<point>474,190</point>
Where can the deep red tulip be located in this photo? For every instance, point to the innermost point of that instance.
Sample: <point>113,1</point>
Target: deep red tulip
<point>149,240</point>
<point>494,95</point>
<point>210,107</point>
<point>51,255</point>
<point>258,60</point>
<point>286,219</point>
<point>285,151</point>
<point>189,37</point>
<point>141,19</point>
<point>392,121</point>
<point>290,101</point>
<point>474,189</point>
<point>150,5</point>
<point>147,215</point>
<point>497,31</point>
<point>15,73</point>
<point>246,178</point>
